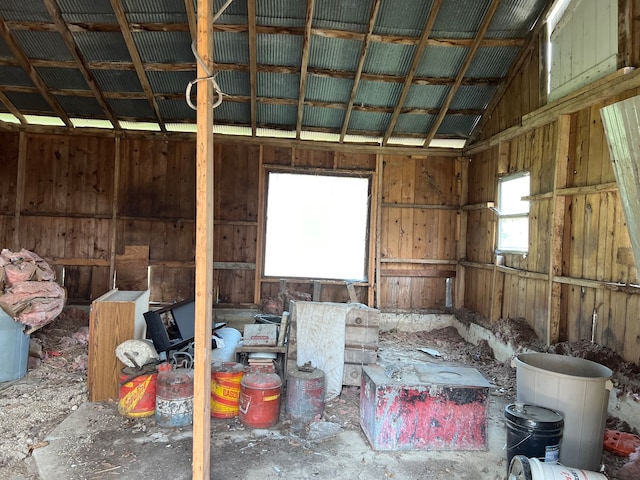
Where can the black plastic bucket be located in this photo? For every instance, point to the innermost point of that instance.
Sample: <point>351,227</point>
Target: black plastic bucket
<point>533,431</point>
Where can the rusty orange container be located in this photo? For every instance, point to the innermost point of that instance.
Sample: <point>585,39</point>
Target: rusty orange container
<point>260,400</point>
<point>225,389</point>
<point>137,396</point>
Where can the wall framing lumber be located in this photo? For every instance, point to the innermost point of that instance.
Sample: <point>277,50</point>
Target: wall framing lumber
<point>20,179</point>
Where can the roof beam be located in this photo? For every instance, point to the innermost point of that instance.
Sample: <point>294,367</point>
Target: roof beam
<point>253,63</point>
<point>191,18</point>
<point>12,108</point>
<point>375,8</point>
<point>56,16</point>
<point>306,48</point>
<point>463,70</point>
<point>417,58</point>
<point>23,61</point>
<point>137,61</point>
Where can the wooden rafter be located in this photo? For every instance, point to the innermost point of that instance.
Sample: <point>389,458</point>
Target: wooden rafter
<point>191,18</point>
<point>61,26</point>
<point>23,61</point>
<point>12,108</point>
<point>253,63</point>
<point>463,69</point>
<point>417,58</point>
<point>306,48</point>
<point>137,61</point>
<point>375,8</point>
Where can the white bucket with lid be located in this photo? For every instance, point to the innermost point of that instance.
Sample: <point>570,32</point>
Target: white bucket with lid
<point>523,468</point>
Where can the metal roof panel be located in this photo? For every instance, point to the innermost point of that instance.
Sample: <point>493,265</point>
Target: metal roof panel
<point>279,49</point>
<point>515,18</point>
<point>459,18</point>
<point>42,45</point>
<point>102,46</point>
<point>83,11</point>
<point>328,89</point>
<point>230,47</point>
<point>380,94</point>
<point>334,53</point>
<point>25,11</point>
<point>426,96</point>
<point>155,11</point>
<point>171,82</point>
<point>270,114</point>
<point>56,77</point>
<point>492,62</point>
<point>233,113</point>
<point>80,106</point>
<point>441,61</point>
<point>14,76</point>
<point>389,59</point>
<point>132,108</point>
<point>402,17</point>
<point>164,47</point>
<point>341,15</point>
<point>412,123</point>
<point>5,51</point>
<point>473,97</point>
<point>280,13</point>
<point>278,85</point>
<point>458,125</point>
<point>118,80</point>
<point>234,83</point>
<point>29,102</point>
<point>176,110</point>
<point>323,117</point>
<point>234,14</point>
<point>368,121</point>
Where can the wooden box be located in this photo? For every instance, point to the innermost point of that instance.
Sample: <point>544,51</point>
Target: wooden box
<point>115,317</point>
<point>424,407</point>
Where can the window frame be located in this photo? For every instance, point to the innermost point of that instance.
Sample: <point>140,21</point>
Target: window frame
<point>367,175</point>
<point>502,216</point>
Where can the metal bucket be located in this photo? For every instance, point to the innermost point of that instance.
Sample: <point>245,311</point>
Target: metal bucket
<point>225,389</point>
<point>533,431</point>
<point>260,400</point>
<point>305,393</point>
<point>137,396</point>
<point>174,396</point>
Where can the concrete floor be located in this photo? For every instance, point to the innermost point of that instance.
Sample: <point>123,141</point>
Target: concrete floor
<point>95,442</point>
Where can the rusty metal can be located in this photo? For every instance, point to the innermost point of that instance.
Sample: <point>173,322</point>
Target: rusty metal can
<point>305,393</point>
<point>260,400</point>
<point>174,396</point>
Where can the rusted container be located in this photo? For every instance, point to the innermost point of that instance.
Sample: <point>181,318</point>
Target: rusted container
<point>260,400</point>
<point>174,396</point>
<point>305,393</point>
<point>137,397</point>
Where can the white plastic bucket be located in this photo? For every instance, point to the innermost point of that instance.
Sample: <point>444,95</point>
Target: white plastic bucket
<point>227,353</point>
<point>523,468</point>
<point>579,390</point>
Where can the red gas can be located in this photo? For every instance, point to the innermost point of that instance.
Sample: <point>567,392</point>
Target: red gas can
<point>260,400</point>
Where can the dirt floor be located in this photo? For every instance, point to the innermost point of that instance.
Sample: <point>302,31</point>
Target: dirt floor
<point>56,387</point>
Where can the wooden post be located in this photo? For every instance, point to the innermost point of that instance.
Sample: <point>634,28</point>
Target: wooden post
<point>557,228</point>
<point>462,169</point>
<point>204,251</point>
<point>113,225</point>
<point>379,176</point>
<point>20,179</point>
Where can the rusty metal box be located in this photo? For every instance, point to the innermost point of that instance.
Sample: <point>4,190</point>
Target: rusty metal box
<point>424,407</point>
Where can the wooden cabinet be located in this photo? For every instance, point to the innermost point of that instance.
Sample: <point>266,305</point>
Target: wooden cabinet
<point>115,317</point>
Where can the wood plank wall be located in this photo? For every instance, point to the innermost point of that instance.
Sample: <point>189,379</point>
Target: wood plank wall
<point>78,200</point>
<point>599,297</point>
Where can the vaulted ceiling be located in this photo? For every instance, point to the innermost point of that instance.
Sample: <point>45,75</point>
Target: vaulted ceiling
<point>407,72</point>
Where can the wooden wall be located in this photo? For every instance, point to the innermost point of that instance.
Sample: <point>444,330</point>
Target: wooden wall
<point>578,280</point>
<point>80,200</point>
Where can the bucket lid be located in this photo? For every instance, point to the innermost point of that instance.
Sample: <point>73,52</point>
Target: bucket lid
<point>533,416</point>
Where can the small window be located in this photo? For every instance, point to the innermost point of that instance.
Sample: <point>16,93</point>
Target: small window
<point>316,226</point>
<point>513,213</point>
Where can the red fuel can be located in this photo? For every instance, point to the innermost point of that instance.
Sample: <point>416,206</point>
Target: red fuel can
<point>260,400</point>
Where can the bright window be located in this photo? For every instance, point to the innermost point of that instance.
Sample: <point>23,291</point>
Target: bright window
<point>513,213</point>
<point>316,226</point>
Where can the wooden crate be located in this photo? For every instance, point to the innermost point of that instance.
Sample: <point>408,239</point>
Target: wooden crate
<point>115,317</point>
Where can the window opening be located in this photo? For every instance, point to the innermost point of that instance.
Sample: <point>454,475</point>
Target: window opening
<point>316,226</point>
<point>513,213</point>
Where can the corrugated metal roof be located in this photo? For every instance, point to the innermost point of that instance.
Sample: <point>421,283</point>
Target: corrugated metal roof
<point>5,51</point>
<point>327,89</point>
<point>278,49</point>
<point>441,62</point>
<point>368,121</point>
<point>458,125</point>
<point>389,59</point>
<point>426,96</point>
<point>102,46</point>
<point>24,11</point>
<point>42,45</point>
<point>280,13</point>
<point>473,97</point>
<point>402,17</point>
<point>492,62</point>
<point>234,83</point>
<point>171,82</point>
<point>234,14</point>
<point>459,18</point>
<point>164,47</point>
<point>230,47</point>
<point>410,123</point>
<point>380,94</point>
<point>269,114</point>
<point>177,110</point>
<point>131,108</point>
<point>515,18</point>
<point>14,76</point>
<point>278,85</point>
<point>80,106</point>
<point>29,102</point>
<point>118,80</point>
<point>56,78</point>
<point>82,11</point>
<point>341,15</point>
<point>155,11</point>
<point>334,53</point>
<point>233,112</point>
<point>322,117</point>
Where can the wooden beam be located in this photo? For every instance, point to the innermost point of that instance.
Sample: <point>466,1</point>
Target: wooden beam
<point>417,58</point>
<point>420,206</point>
<point>556,229</point>
<point>191,18</point>
<point>72,46</point>
<point>137,61</point>
<point>463,69</point>
<point>363,53</point>
<point>25,64</point>
<point>373,234</point>
<point>304,63</point>
<point>201,469</point>
<point>20,181</point>
<point>12,108</point>
<point>419,261</point>
<point>462,192</point>
<point>421,272</point>
<point>378,229</point>
<point>253,64</point>
<point>113,224</point>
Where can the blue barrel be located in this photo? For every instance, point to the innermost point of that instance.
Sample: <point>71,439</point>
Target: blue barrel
<point>533,431</point>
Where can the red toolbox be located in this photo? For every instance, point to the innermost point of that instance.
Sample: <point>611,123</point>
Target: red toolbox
<point>424,407</point>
